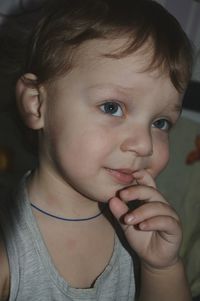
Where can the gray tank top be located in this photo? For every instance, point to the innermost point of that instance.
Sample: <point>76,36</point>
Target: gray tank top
<point>34,276</point>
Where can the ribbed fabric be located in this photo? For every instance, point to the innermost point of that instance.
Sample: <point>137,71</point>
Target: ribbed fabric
<point>34,276</point>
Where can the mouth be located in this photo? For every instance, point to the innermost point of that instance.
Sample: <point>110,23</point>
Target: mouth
<point>121,176</point>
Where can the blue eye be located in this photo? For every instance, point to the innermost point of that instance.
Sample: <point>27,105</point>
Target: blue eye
<point>112,108</point>
<point>162,124</point>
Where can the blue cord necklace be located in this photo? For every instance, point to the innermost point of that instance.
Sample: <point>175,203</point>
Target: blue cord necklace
<point>69,219</point>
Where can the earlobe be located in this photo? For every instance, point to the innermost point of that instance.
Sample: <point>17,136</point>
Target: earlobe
<point>29,101</point>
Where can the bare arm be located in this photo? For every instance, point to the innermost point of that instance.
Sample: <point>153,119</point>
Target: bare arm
<point>167,284</point>
<point>4,274</point>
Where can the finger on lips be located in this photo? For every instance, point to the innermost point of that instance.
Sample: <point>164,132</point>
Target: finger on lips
<point>141,203</point>
<point>144,178</point>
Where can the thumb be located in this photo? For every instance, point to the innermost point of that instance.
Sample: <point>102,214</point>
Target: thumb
<point>118,209</point>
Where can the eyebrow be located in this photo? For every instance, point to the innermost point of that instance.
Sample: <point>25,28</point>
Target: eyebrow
<point>178,108</point>
<point>113,88</point>
<point>106,86</point>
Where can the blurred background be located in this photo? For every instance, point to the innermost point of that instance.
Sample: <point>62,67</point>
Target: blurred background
<point>188,14</point>
<point>180,182</point>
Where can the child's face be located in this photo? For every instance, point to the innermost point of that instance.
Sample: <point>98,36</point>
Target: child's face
<point>106,119</point>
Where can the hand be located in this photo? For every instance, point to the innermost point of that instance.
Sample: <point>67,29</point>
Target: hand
<point>153,230</point>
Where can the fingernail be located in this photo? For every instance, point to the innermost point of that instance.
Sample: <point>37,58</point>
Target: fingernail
<point>142,226</point>
<point>130,219</point>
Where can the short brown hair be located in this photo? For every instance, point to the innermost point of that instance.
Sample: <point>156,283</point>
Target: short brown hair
<point>69,23</point>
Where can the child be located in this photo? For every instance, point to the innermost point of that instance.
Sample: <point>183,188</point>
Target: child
<point>102,86</point>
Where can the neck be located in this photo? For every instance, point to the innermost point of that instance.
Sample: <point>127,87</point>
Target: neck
<point>53,194</point>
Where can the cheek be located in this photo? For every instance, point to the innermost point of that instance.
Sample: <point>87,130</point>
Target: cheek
<point>86,147</point>
<point>160,157</point>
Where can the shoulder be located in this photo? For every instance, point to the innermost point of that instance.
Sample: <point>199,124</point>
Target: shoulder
<point>4,264</point>
<point>4,273</point>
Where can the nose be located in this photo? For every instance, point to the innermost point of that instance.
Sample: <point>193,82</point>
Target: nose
<point>139,141</point>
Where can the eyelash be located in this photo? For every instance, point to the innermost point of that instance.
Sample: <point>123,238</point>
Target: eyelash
<point>166,127</point>
<point>109,105</point>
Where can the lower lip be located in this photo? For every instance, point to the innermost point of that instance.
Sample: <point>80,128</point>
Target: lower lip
<point>121,177</point>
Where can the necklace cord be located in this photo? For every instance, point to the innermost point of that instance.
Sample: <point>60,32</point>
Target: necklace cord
<point>68,219</point>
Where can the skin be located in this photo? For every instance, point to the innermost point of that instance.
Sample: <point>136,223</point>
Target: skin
<point>104,137</point>
<point>74,118</point>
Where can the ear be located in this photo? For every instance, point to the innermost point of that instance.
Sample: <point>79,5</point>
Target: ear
<point>30,101</point>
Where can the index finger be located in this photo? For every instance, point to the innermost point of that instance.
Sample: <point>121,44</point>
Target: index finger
<point>143,177</point>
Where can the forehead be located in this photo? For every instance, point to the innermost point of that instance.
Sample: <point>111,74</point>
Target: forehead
<point>102,50</point>
<point>129,71</point>
<point>126,76</point>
